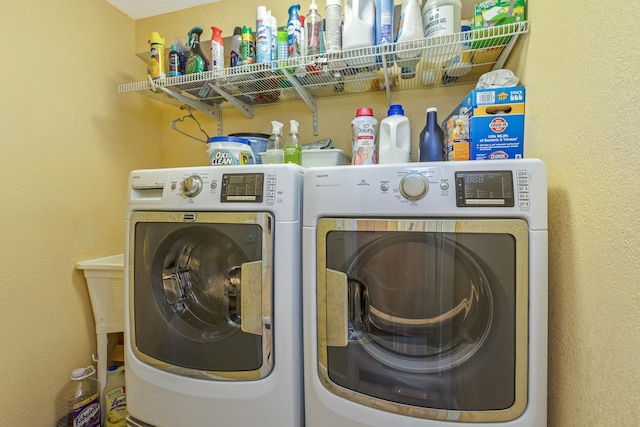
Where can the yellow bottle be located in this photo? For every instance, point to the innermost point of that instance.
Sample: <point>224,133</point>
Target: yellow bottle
<point>115,400</point>
<point>156,66</point>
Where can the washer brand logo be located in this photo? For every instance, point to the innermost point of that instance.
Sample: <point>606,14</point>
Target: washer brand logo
<point>498,124</point>
<point>498,155</point>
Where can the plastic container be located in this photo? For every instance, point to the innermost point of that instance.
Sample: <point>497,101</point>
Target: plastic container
<point>409,34</point>
<point>78,403</point>
<point>274,152</point>
<point>155,66</point>
<point>441,18</point>
<point>292,147</point>
<point>229,150</point>
<point>247,47</point>
<point>274,37</point>
<point>333,26</point>
<point>364,129</point>
<point>196,61</point>
<point>283,45</point>
<point>115,398</point>
<point>234,48</point>
<point>217,51</point>
<point>359,32</point>
<point>263,35</point>
<point>395,137</point>
<point>174,61</point>
<point>258,142</point>
<point>313,30</point>
<point>431,146</point>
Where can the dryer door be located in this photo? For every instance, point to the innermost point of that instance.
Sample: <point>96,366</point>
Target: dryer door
<point>427,318</point>
<point>200,293</point>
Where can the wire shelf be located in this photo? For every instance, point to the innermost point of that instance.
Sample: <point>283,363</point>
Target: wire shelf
<point>460,58</point>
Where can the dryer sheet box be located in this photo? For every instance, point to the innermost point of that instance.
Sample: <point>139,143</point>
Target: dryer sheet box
<point>487,125</point>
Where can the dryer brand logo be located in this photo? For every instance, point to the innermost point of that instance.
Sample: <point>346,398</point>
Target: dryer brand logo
<point>498,124</point>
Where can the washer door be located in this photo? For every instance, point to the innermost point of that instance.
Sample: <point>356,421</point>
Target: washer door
<point>425,317</point>
<point>200,293</point>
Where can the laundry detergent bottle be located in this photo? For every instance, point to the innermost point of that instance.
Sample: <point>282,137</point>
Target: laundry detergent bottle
<point>431,144</point>
<point>395,137</point>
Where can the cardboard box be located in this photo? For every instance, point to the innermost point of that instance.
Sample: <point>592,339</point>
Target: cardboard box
<point>490,15</point>
<point>491,124</point>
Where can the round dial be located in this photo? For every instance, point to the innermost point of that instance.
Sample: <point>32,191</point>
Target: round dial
<point>414,186</point>
<point>191,186</point>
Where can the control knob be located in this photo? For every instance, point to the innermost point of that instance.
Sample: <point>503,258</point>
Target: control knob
<point>191,186</point>
<point>414,186</point>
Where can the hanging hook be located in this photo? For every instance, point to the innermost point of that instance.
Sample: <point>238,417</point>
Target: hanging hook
<point>192,117</point>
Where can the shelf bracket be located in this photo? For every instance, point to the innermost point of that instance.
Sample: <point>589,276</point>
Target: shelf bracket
<point>307,97</point>
<point>245,108</point>
<point>507,49</point>
<point>213,111</point>
<point>387,83</point>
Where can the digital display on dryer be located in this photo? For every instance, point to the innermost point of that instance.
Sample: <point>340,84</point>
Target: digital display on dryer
<point>484,189</point>
<point>242,187</point>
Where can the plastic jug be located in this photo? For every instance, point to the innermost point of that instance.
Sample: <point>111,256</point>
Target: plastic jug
<point>78,403</point>
<point>115,399</point>
<point>409,36</point>
<point>431,145</point>
<point>395,137</point>
<point>359,32</point>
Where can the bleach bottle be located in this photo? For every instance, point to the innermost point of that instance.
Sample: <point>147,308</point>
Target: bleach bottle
<point>359,32</point>
<point>395,137</point>
<point>431,145</point>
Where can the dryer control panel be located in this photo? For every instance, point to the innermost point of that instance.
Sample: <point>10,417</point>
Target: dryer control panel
<point>484,188</point>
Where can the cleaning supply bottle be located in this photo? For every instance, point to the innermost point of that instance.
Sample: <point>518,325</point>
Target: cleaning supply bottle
<point>275,152</point>
<point>409,35</point>
<point>234,49</point>
<point>78,403</point>
<point>115,399</point>
<point>292,148</point>
<point>274,37</point>
<point>247,48</point>
<point>174,61</point>
<point>333,26</point>
<point>155,66</point>
<point>283,46</point>
<point>313,29</point>
<point>395,137</point>
<point>431,144</point>
<point>196,61</point>
<point>384,25</point>
<point>441,18</point>
<point>217,52</point>
<point>364,129</point>
<point>359,32</point>
<point>294,31</point>
<point>263,35</point>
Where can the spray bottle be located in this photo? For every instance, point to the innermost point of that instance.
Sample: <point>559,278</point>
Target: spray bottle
<point>155,66</point>
<point>275,153</point>
<point>313,30</point>
<point>196,61</point>
<point>217,52</point>
<point>294,31</point>
<point>292,148</point>
<point>409,35</point>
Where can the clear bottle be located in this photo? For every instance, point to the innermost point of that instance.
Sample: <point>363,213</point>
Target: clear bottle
<point>431,144</point>
<point>333,26</point>
<point>115,398</point>
<point>155,65</point>
<point>364,130</point>
<point>394,144</point>
<point>78,403</point>
<point>196,61</point>
<point>292,148</point>
<point>217,51</point>
<point>235,55</point>
<point>275,152</point>
<point>313,29</point>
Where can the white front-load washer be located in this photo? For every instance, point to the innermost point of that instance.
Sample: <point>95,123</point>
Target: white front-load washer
<point>425,294</point>
<point>213,297</point>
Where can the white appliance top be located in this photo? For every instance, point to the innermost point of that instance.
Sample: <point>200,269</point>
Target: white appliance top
<point>478,189</point>
<point>273,188</point>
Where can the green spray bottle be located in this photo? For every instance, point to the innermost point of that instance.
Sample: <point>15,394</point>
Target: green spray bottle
<point>196,61</point>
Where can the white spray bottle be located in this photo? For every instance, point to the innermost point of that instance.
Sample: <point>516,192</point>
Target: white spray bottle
<point>275,149</point>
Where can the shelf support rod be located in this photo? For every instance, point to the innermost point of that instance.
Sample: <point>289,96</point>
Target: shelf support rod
<point>307,97</point>
<point>212,111</point>
<point>245,108</point>
<point>507,49</point>
<point>387,85</point>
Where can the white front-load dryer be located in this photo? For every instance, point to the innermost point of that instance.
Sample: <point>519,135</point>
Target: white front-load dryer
<point>213,297</point>
<point>425,294</point>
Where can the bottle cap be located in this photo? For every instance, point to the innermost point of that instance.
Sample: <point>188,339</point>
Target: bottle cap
<point>430,109</point>
<point>395,110</point>
<point>333,3</point>
<point>365,111</point>
<point>216,34</point>
<point>237,31</point>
